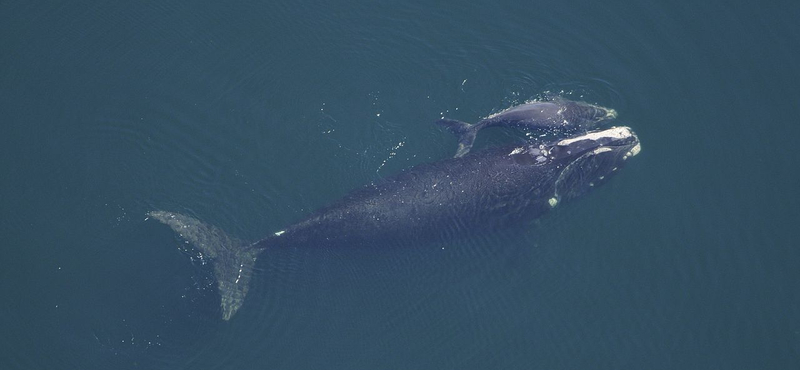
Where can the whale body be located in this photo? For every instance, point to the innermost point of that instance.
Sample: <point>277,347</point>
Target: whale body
<point>558,115</point>
<point>486,190</point>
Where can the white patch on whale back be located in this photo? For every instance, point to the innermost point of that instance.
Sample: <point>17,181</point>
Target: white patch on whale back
<point>614,133</point>
<point>279,233</point>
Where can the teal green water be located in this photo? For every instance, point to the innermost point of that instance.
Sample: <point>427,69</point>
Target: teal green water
<point>250,115</point>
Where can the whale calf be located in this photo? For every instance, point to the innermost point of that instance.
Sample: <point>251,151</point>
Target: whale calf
<point>559,115</point>
<point>484,191</point>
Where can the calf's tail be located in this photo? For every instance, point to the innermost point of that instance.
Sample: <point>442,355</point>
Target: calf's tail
<point>463,131</point>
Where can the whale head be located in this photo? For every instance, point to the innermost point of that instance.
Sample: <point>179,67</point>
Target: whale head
<point>584,115</point>
<point>585,161</point>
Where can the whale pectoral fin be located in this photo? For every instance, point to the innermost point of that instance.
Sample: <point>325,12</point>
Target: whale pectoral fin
<point>233,260</point>
<point>464,132</point>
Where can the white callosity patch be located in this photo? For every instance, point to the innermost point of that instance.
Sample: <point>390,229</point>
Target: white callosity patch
<point>543,151</point>
<point>614,133</point>
<point>634,151</point>
<point>279,233</point>
<point>601,150</point>
<point>542,154</point>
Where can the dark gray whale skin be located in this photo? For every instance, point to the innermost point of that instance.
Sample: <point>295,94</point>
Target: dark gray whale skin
<point>558,115</point>
<point>487,190</point>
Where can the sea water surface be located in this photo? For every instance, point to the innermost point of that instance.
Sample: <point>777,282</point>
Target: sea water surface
<point>249,115</point>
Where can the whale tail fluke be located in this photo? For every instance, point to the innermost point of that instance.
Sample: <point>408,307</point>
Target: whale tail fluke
<point>232,259</point>
<point>463,131</point>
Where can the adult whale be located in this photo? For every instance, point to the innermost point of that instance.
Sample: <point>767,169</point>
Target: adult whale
<point>486,190</point>
<point>557,115</point>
